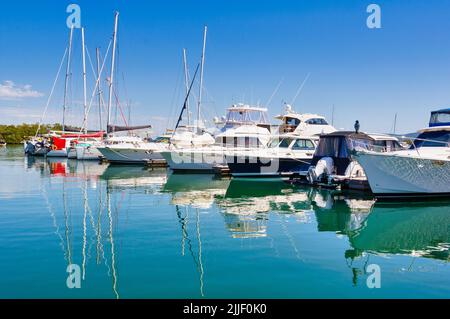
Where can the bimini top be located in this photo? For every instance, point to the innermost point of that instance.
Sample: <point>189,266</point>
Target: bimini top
<point>440,118</point>
<point>245,114</point>
<point>349,134</point>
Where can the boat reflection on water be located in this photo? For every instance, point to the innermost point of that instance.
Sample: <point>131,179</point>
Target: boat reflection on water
<point>418,229</point>
<point>191,193</point>
<point>63,167</point>
<point>88,199</point>
<point>247,203</point>
<point>135,177</point>
<point>195,190</point>
<point>81,202</point>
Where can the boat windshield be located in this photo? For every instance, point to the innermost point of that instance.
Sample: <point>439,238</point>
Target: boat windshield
<point>440,118</point>
<point>432,139</point>
<point>303,145</point>
<point>283,142</point>
<point>246,117</point>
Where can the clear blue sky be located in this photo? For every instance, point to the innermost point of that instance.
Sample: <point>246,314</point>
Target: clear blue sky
<point>368,74</point>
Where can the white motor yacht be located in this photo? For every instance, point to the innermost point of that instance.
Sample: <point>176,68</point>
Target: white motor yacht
<point>423,169</point>
<point>245,127</point>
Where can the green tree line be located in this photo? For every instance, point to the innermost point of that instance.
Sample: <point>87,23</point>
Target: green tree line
<point>16,134</point>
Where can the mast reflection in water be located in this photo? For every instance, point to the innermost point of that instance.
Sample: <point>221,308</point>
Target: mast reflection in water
<point>137,232</point>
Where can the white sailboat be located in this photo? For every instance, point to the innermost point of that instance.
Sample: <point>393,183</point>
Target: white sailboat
<point>423,169</point>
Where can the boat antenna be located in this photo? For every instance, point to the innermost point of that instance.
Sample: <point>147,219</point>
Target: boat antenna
<point>69,54</point>
<point>84,78</point>
<point>395,123</point>
<point>201,77</point>
<point>300,88</point>
<point>185,99</point>
<point>186,83</point>
<point>111,78</point>
<point>274,92</point>
<point>332,115</point>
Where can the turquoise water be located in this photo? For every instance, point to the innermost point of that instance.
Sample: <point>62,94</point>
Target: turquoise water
<point>138,233</point>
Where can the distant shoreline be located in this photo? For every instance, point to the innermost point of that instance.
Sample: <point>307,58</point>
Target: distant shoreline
<point>16,134</point>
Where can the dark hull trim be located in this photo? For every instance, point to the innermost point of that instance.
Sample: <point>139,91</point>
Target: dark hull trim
<point>410,196</point>
<point>257,168</point>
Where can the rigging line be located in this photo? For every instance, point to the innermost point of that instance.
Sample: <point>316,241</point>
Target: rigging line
<point>90,62</point>
<point>111,240</point>
<point>200,253</point>
<point>274,92</point>
<point>174,97</point>
<point>300,88</point>
<point>95,88</point>
<point>85,199</point>
<point>51,92</point>
<point>120,108</point>
<point>186,98</point>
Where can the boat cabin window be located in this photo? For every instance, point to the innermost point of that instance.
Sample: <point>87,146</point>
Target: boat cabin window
<point>303,145</point>
<point>291,121</point>
<point>432,139</point>
<point>285,142</point>
<point>387,145</point>
<point>318,121</point>
<point>274,142</point>
<point>247,141</point>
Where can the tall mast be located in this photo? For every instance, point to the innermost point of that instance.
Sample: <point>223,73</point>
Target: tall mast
<point>201,77</point>
<point>111,78</point>
<point>84,80</point>
<point>69,54</point>
<point>186,84</point>
<point>97,51</point>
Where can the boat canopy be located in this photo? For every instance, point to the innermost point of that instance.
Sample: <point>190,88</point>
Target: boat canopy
<point>116,128</point>
<point>245,114</point>
<point>440,118</point>
<point>338,145</point>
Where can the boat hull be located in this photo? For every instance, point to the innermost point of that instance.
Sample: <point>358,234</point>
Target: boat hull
<point>253,166</point>
<point>394,176</point>
<point>129,156</point>
<point>87,153</point>
<point>185,161</point>
<point>57,153</point>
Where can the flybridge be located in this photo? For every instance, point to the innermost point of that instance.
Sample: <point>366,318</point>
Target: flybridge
<point>440,118</point>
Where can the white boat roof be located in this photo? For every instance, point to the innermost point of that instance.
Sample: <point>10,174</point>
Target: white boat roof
<point>245,108</point>
<point>435,129</point>
<point>301,116</point>
<point>382,137</point>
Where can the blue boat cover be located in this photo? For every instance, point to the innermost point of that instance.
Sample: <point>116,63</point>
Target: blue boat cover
<point>440,118</point>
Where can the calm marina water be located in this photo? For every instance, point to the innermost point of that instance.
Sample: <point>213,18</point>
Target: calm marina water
<point>141,233</point>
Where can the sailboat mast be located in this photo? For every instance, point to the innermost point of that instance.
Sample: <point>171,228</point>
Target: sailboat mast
<point>97,51</point>
<point>84,80</point>
<point>111,78</point>
<point>186,84</point>
<point>66,82</point>
<point>201,77</point>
